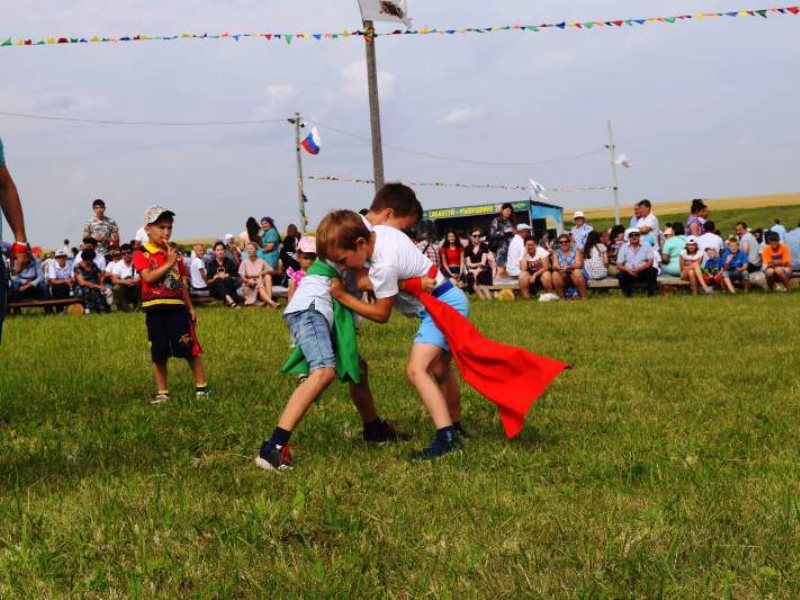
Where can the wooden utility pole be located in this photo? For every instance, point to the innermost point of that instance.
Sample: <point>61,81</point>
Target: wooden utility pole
<point>301,196</point>
<point>612,151</point>
<point>374,105</point>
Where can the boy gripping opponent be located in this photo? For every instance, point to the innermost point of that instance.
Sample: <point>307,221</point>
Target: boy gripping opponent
<point>169,313</point>
<point>344,239</point>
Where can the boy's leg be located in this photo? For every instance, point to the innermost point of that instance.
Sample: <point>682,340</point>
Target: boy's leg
<point>420,360</point>
<point>303,397</point>
<point>442,370</point>
<point>198,370</point>
<point>160,376</point>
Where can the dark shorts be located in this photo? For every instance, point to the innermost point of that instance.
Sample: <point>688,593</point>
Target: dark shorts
<point>171,333</point>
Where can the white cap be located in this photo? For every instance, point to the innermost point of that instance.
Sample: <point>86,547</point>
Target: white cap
<point>523,227</point>
<point>628,232</point>
<point>578,215</point>
<point>228,237</point>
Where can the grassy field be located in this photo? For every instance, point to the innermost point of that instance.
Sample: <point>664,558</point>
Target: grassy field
<point>664,464</point>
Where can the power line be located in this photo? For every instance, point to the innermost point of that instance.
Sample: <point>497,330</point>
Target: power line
<point>147,123</point>
<point>465,160</point>
<point>364,139</point>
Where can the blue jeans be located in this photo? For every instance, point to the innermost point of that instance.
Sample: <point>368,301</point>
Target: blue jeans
<point>311,332</point>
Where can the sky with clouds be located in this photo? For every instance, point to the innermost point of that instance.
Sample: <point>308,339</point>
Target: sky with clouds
<point>703,109</point>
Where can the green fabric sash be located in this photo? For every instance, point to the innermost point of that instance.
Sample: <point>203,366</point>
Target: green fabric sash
<point>344,337</point>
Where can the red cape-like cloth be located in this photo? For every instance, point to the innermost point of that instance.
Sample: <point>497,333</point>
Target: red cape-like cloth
<point>511,377</point>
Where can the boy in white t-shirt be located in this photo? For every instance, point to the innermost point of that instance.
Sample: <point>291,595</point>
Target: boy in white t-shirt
<point>197,270</point>
<point>391,257</point>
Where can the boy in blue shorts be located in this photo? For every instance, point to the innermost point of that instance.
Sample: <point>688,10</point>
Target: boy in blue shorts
<point>168,309</point>
<point>390,256</point>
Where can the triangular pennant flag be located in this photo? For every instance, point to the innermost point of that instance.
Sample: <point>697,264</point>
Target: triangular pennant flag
<point>7,42</point>
<point>317,36</point>
<point>762,12</point>
<point>670,19</point>
<point>640,21</point>
<point>793,9</point>
<point>732,14</point>
<point>618,23</point>
<point>288,37</point>
<point>268,37</point>
<point>561,25</point>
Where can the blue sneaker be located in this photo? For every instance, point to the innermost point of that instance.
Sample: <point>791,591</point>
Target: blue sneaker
<point>442,444</point>
<point>275,458</point>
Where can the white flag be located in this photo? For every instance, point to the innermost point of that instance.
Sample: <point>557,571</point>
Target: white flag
<point>385,10</point>
<point>537,189</point>
<point>623,161</point>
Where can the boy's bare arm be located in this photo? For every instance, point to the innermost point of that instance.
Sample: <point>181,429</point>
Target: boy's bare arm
<point>378,312</point>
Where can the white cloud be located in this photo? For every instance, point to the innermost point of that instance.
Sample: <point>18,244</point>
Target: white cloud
<point>354,81</point>
<point>458,116</point>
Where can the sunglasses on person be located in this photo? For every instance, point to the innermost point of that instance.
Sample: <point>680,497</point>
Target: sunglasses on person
<point>563,241</point>
<point>475,235</point>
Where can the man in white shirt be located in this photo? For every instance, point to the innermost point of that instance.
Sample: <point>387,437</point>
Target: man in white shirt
<point>516,249</point>
<point>749,243</point>
<point>197,271</point>
<point>646,222</point>
<point>59,278</point>
<point>125,280</point>
<point>710,240</point>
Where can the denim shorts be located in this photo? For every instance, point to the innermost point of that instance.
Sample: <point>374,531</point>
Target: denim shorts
<point>428,333</point>
<point>311,332</point>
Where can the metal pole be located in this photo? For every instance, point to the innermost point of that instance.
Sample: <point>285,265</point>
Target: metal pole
<point>301,197</point>
<point>612,153</point>
<point>374,106</point>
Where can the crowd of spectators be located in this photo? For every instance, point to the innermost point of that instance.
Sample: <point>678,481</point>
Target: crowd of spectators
<point>244,271</point>
<point>636,255</point>
<point>100,273</point>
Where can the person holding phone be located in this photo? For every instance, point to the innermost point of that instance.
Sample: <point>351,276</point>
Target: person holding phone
<point>221,277</point>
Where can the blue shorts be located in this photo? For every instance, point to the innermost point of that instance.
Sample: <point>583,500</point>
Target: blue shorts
<point>428,333</point>
<point>311,332</point>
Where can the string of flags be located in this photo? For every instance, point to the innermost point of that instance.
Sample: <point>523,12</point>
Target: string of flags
<point>370,33</point>
<point>533,187</point>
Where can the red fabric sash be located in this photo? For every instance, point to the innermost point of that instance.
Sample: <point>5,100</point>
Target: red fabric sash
<point>513,378</point>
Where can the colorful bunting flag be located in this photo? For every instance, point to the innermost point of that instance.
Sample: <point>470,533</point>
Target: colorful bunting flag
<point>481,186</point>
<point>394,15</point>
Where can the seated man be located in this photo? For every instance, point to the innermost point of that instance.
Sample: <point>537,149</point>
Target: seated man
<point>29,284</point>
<point>776,260</point>
<point>125,280</point>
<point>59,278</point>
<point>534,269</point>
<point>635,264</point>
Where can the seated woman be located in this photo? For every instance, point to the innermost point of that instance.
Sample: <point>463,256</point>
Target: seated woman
<point>671,251</point>
<point>452,257</point>
<point>690,260</point>
<point>595,258</point>
<point>534,269</point>
<point>88,286</point>
<point>568,267</point>
<point>478,269</point>
<point>256,280</point>
<point>221,277</point>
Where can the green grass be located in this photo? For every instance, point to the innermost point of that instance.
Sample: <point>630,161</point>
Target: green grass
<point>665,463</point>
<point>725,219</point>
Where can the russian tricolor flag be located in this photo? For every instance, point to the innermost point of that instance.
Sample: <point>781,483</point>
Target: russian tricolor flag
<point>312,142</point>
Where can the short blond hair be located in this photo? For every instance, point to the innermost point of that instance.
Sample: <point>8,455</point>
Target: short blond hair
<point>340,229</point>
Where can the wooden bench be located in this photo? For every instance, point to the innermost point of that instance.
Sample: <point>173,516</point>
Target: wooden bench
<point>66,302</point>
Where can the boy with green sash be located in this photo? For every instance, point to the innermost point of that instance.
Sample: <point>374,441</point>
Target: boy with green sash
<point>324,335</point>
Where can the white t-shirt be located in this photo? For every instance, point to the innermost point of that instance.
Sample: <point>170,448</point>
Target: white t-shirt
<point>395,257</point>
<point>690,259</point>
<point>316,290</point>
<point>195,266</point>
<point>516,250</point>
<point>57,272</point>
<point>538,256</point>
<point>110,267</point>
<point>710,240</point>
<point>123,271</point>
